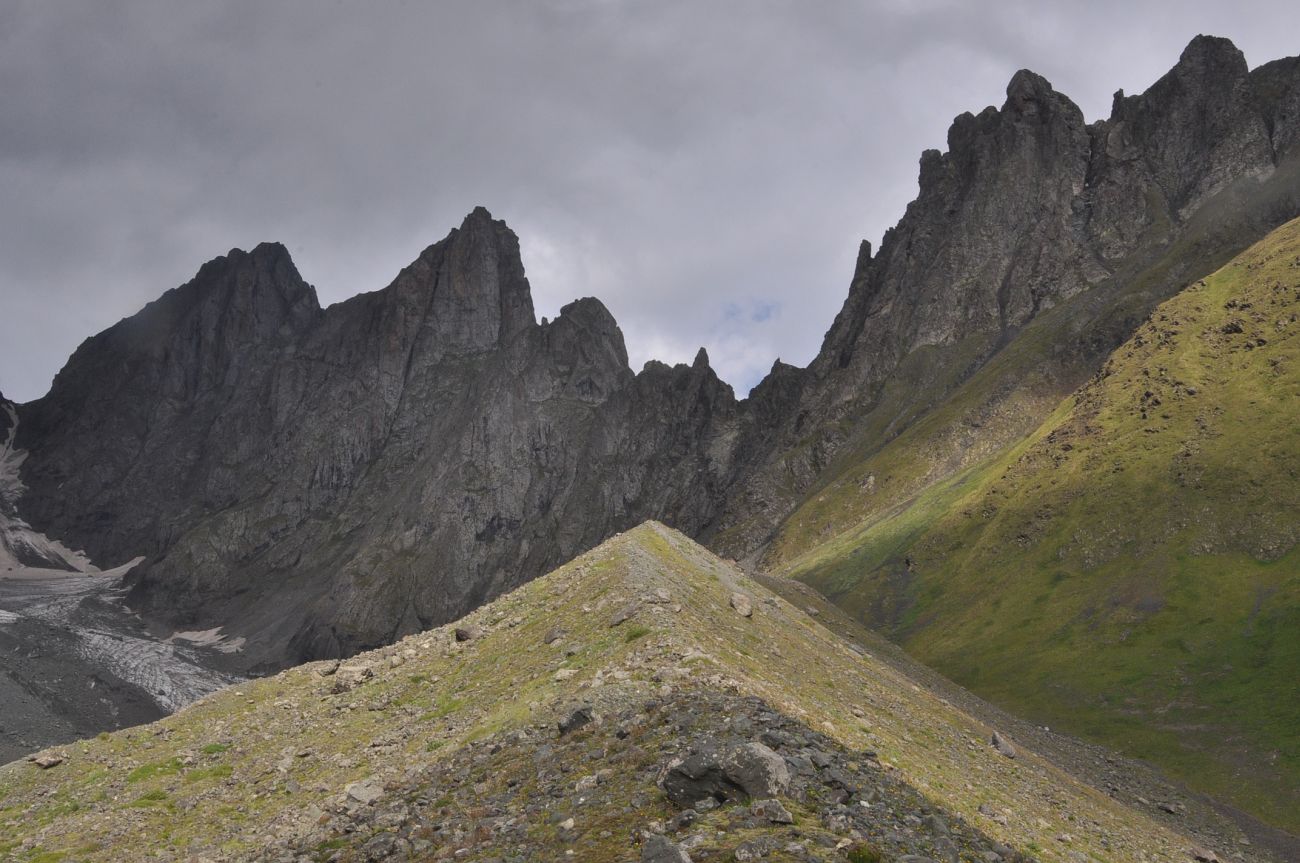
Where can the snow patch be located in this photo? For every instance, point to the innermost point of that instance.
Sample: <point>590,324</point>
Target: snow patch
<point>210,638</point>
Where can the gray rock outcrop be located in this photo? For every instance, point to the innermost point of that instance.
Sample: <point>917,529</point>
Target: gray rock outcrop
<point>736,771</point>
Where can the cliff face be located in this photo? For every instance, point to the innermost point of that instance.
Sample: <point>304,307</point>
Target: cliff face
<point>326,480</point>
<point>1031,209</point>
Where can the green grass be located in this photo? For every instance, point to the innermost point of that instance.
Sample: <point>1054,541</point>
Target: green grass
<point>206,774</point>
<point>157,797</point>
<point>1129,570</point>
<point>865,854</point>
<point>154,769</point>
<point>634,632</point>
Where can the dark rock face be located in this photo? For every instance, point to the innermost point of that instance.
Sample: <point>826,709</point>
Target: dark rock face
<point>324,480</point>
<point>331,479</point>
<point>144,428</point>
<point>725,772</point>
<point>10,488</point>
<point>658,849</point>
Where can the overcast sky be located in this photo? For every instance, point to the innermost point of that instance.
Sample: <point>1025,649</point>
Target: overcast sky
<point>707,169</point>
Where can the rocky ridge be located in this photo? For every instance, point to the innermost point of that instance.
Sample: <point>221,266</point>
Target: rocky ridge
<point>619,708</point>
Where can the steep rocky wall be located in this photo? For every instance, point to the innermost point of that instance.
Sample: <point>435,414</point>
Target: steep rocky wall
<point>1028,209</point>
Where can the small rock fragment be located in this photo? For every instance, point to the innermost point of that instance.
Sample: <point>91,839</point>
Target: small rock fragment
<point>659,849</point>
<point>348,677</point>
<point>575,720</point>
<point>1002,746</point>
<point>624,614</point>
<point>364,792</point>
<point>772,810</point>
<point>741,603</point>
<point>48,760</point>
<point>682,820</point>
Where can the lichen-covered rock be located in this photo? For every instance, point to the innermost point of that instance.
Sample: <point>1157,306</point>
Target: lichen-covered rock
<point>734,771</point>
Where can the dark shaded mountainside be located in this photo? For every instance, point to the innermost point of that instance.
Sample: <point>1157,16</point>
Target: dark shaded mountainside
<point>321,481</point>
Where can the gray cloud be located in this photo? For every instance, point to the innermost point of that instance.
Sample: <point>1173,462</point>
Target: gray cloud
<point>705,168</point>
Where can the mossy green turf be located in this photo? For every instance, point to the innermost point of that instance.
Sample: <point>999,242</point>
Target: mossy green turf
<point>1129,570</point>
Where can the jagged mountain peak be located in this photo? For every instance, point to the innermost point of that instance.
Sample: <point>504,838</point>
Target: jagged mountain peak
<point>1027,90</point>
<point>480,213</point>
<point>470,287</point>
<point>209,333</point>
<point>267,267</point>
<point>1211,55</point>
<point>1209,68</point>
<point>594,323</point>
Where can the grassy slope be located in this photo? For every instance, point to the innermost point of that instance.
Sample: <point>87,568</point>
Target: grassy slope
<point>216,777</point>
<point>913,439</point>
<point>1128,571</point>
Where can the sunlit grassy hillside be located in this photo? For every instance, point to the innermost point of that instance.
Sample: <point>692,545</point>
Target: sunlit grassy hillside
<point>1129,570</point>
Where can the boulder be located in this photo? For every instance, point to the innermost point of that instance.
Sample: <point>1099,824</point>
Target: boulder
<point>771,810</point>
<point>579,717</point>
<point>1001,744</point>
<point>624,614</point>
<point>349,677</point>
<point>733,772</point>
<point>366,792</point>
<point>658,849</point>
